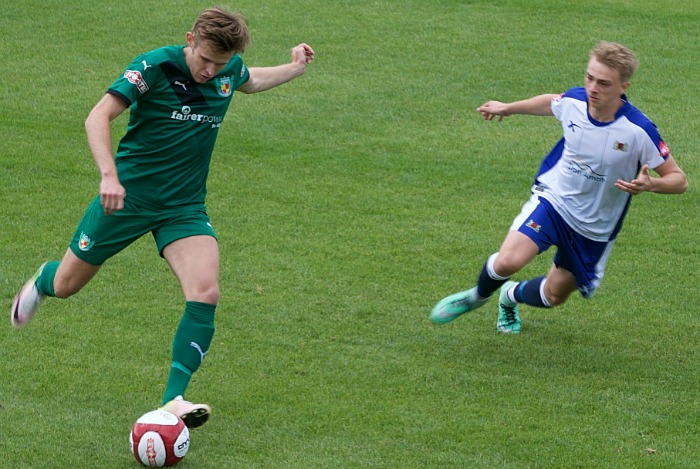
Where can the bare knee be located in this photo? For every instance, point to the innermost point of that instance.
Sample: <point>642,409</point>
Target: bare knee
<point>556,296</point>
<point>556,299</point>
<point>559,285</point>
<point>506,265</point>
<point>515,253</point>
<point>208,294</point>
<point>212,296</point>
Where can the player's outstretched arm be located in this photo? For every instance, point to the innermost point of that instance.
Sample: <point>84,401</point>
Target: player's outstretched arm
<point>264,78</point>
<point>535,106</point>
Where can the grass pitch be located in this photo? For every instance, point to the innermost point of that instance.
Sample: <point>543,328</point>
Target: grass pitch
<point>347,203</point>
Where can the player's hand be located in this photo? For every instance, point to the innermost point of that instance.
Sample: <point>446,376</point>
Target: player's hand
<point>112,195</point>
<point>491,109</point>
<point>636,186</point>
<point>303,53</point>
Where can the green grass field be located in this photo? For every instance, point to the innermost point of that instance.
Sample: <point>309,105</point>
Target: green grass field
<point>347,203</point>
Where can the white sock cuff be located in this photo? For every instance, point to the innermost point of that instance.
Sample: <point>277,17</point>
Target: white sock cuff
<point>489,267</point>
<point>543,296</point>
<point>511,292</point>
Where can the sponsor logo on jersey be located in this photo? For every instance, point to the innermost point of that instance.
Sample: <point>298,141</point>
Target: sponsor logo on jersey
<point>664,152</point>
<point>186,114</point>
<point>619,146</point>
<point>585,170</point>
<point>85,243</point>
<point>135,78</point>
<point>223,86</point>
<point>533,225</point>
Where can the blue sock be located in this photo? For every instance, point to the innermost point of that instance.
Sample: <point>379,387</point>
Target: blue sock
<point>530,292</point>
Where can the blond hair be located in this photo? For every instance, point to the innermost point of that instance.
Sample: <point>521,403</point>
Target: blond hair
<point>617,57</point>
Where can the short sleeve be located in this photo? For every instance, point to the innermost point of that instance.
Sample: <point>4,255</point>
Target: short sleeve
<point>135,80</point>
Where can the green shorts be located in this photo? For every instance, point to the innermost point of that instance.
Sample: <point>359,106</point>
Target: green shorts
<point>99,237</point>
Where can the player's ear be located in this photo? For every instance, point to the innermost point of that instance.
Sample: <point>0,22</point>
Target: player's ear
<point>189,37</point>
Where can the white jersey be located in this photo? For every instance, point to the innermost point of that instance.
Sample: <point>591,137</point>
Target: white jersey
<point>578,176</point>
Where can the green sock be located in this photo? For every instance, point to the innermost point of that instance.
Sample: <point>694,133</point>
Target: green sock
<point>45,281</point>
<point>190,345</point>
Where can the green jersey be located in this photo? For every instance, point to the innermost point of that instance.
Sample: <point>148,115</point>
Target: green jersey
<point>163,159</point>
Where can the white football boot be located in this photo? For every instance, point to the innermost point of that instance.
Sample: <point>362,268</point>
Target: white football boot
<point>27,301</point>
<point>194,415</point>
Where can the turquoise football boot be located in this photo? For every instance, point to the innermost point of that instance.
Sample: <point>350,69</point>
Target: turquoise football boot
<point>508,315</point>
<point>453,306</point>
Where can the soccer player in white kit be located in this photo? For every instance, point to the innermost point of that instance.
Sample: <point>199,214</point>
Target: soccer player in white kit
<point>581,193</point>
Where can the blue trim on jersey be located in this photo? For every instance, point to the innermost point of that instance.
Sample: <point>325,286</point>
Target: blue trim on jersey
<point>639,119</point>
<point>578,93</point>
<point>620,112</point>
<point>551,159</point>
<point>618,226</point>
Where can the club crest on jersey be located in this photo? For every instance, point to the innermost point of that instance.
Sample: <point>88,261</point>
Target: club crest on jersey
<point>532,224</point>
<point>85,243</point>
<point>135,78</point>
<point>223,86</point>
<point>619,146</point>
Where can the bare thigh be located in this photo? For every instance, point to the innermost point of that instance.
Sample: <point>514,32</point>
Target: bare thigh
<point>195,262</point>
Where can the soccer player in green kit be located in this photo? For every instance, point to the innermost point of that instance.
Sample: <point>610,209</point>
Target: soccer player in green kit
<point>157,181</point>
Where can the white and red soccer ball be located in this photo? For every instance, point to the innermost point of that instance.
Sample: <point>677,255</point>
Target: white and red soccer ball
<point>159,438</point>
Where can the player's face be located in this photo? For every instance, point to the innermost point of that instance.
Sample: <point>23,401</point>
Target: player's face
<point>603,88</point>
<point>203,61</point>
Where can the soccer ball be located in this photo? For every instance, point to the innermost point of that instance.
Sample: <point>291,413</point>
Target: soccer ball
<point>159,438</point>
